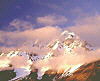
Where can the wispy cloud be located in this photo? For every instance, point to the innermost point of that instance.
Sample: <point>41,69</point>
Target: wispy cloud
<point>52,20</point>
<point>18,24</point>
<point>89,29</point>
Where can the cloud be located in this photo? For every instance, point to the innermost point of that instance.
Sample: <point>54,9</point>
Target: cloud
<point>25,39</point>
<point>52,20</point>
<point>18,24</point>
<point>65,61</point>
<point>88,28</point>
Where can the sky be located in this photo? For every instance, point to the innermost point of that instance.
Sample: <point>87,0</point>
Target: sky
<point>31,10</point>
<point>19,19</point>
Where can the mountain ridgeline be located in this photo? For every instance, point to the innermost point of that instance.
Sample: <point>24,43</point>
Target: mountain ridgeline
<point>67,58</point>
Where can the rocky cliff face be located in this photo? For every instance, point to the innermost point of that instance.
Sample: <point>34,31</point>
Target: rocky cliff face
<point>89,72</point>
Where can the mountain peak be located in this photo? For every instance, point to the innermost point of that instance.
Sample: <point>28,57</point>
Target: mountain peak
<point>64,48</point>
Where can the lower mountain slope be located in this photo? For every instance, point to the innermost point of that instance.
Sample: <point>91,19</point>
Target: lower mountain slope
<point>87,72</point>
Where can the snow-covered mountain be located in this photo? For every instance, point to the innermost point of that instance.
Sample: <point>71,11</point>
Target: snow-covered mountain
<point>66,45</point>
